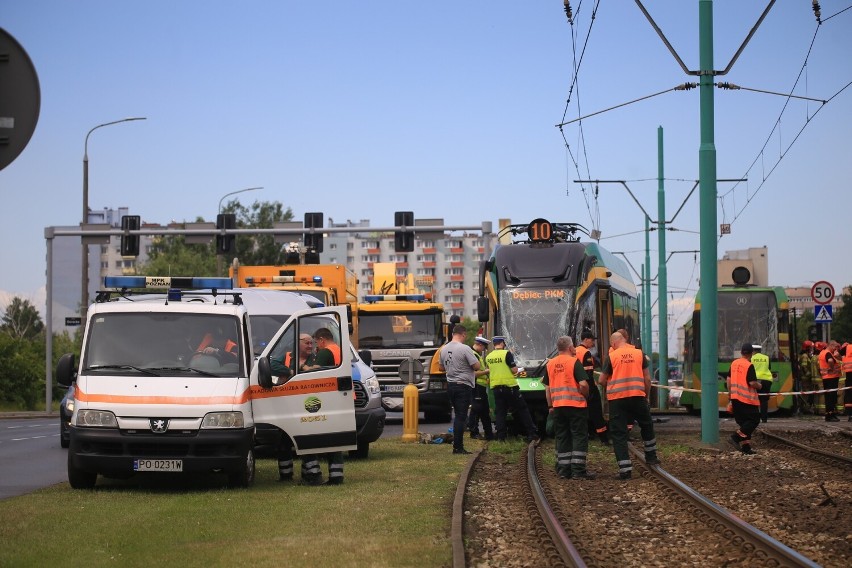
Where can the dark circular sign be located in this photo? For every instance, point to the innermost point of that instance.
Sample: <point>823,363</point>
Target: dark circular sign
<point>20,99</point>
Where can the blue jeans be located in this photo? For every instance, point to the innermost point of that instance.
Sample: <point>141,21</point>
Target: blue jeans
<point>461,396</point>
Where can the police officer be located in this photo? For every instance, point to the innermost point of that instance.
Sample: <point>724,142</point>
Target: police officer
<point>479,409</point>
<point>596,416</point>
<point>627,381</point>
<point>507,393</point>
<point>743,386</point>
<point>764,375</point>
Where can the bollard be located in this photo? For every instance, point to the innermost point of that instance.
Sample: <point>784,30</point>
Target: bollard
<point>410,413</point>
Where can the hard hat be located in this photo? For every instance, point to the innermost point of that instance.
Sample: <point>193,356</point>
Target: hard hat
<point>807,344</point>
<point>820,345</point>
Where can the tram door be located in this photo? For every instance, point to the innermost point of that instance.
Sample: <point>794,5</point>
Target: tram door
<point>604,318</point>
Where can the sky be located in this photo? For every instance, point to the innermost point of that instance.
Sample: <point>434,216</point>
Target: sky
<point>444,108</point>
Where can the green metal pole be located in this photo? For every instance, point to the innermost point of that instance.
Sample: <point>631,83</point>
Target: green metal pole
<point>662,290</point>
<point>646,340</point>
<point>707,199</point>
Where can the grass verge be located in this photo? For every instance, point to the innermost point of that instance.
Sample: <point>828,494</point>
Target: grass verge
<point>394,509</point>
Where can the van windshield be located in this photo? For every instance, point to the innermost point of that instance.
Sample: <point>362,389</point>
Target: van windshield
<point>164,345</point>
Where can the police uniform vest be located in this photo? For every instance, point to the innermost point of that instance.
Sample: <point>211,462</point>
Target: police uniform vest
<point>628,377</point>
<point>481,380</point>
<point>740,389</point>
<point>564,390</point>
<point>501,374</point>
<point>827,371</point>
<point>761,366</point>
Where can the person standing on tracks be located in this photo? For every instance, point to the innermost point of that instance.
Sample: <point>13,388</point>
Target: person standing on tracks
<point>596,416</point>
<point>806,375</point>
<point>567,388</point>
<point>627,382</point>
<point>743,386</point>
<point>507,393</point>
<point>764,375</point>
<point>829,370</point>
<point>846,364</point>
<point>460,364</point>
<point>479,410</point>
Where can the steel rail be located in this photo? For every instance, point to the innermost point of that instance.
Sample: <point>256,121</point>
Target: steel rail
<point>569,554</point>
<point>825,457</point>
<point>761,541</point>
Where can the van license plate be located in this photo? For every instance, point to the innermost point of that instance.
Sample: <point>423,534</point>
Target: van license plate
<point>157,465</point>
<point>393,388</point>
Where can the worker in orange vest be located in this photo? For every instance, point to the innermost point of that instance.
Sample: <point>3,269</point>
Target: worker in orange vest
<point>829,370</point>
<point>627,382</point>
<point>566,392</point>
<point>743,386</point>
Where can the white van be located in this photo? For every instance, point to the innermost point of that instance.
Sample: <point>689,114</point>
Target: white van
<point>268,309</point>
<point>166,384</point>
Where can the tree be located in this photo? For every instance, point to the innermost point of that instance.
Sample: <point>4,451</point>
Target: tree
<point>841,327</point>
<point>21,320</point>
<point>172,256</point>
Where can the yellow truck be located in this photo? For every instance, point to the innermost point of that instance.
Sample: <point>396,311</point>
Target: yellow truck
<point>396,323</point>
<point>332,284</point>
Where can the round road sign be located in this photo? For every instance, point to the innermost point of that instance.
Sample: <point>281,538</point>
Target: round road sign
<point>822,293</point>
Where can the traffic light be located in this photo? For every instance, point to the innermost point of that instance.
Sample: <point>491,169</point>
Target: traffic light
<point>403,241</point>
<point>313,240</point>
<point>130,243</point>
<point>225,243</point>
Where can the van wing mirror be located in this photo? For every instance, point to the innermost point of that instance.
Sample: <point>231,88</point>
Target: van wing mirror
<point>264,372</point>
<point>65,370</point>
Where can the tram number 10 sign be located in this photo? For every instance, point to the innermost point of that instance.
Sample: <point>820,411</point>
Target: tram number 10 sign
<point>822,293</point>
<point>540,230</point>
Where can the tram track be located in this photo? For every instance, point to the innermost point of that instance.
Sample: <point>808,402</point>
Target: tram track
<point>654,519</point>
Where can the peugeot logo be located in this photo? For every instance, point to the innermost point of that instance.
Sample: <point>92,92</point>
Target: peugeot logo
<point>742,300</point>
<point>159,425</point>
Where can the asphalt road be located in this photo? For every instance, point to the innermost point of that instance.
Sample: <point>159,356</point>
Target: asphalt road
<point>30,455</point>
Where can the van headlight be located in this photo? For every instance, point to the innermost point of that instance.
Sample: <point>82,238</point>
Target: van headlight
<point>222,420</point>
<point>372,385</point>
<point>69,406</point>
<point>96,419</point>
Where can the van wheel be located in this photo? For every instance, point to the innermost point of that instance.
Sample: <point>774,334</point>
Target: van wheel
<point>362,452</point>
<point>243,477</point>
<point>80,479</point>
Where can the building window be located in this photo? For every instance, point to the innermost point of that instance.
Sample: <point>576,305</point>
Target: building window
<point>426,244</point>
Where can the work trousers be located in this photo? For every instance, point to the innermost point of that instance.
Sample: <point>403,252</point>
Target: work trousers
<point>847,396</point>
<point>831,396</point>
<point>311,472</point>
<point>460,398</point>
<point>595,410</point>
<point>623,412</point>
<point>572,439</point>
<point>747,417</point>
<point>509,398</point>
<point>479,410</point>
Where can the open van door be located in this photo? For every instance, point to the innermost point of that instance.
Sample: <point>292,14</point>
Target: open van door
<point>313,404</point>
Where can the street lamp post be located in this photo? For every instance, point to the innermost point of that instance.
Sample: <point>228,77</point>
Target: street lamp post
<point>84,296</point>
<point>219,210</point>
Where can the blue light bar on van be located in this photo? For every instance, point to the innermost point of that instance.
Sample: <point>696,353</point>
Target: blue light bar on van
<point>317,279</point>
<point>395,297</point>
<point>182,282</point>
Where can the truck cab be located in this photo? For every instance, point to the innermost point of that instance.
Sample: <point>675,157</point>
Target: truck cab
<point>169,383</point>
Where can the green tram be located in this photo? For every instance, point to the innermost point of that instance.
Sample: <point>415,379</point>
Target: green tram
<point>759,315</point>
<point>544,283</point>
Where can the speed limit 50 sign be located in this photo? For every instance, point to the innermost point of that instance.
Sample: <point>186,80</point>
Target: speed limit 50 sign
<point>822,293</point>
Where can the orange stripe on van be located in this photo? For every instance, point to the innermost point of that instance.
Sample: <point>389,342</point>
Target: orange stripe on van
<point>242,398</point>
<point>292,388</point>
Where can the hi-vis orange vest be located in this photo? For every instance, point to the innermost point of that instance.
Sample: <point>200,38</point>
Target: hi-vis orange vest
<point>827,371</point>
<point>740,389</point>
<point>563,385</point>
<point>847,361</point>
<point>581,356</point>
<point>628,378</point>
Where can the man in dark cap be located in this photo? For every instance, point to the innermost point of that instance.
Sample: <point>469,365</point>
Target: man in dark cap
<point>460,363</point>
<point>743,386</point>
<point>597,422</point>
